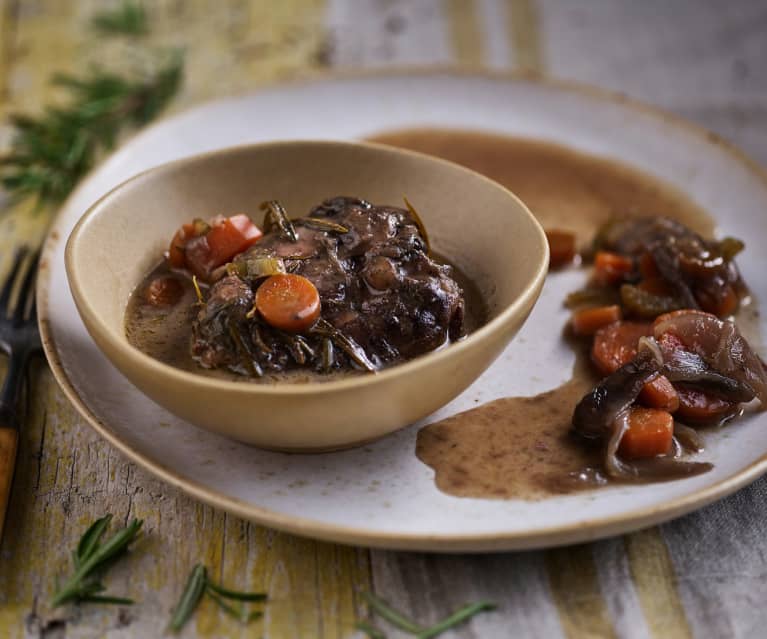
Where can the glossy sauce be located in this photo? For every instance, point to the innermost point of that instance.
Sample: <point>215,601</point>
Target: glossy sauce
<point>522,447</point>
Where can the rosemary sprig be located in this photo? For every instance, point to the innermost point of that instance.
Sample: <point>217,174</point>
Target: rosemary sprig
<point>91,559</point>
<point>198,585</point>
<point>50,153</point>
<point>129,19</point>
<point>399,620</point>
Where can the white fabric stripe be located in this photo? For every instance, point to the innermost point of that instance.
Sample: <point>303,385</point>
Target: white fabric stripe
<point>493,20</point>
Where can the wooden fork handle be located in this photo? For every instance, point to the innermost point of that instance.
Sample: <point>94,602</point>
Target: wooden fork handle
<point>9,441</point>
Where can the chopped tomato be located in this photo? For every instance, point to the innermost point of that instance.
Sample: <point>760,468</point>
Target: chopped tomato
<point>202,248</point>
<point>231,236</point>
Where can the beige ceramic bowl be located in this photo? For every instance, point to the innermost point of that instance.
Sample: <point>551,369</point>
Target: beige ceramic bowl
<point>482,227</point>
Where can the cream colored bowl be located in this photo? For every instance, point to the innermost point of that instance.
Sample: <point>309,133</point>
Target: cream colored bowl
<point>480,226</point>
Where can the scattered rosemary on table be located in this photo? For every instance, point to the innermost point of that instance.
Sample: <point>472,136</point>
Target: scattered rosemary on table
<point>50,152</point>
<point>91,560</point>
<point>129,19</point>
<point>198,585</point>
<point>384,610</point>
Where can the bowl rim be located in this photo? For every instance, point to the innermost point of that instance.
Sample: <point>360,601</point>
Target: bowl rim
<point>508,313</point>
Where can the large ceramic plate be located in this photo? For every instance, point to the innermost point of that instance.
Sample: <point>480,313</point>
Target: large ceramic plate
<point>382,495</point>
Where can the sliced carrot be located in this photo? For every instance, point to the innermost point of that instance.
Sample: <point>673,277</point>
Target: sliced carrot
<point>684,311</point>
<point>610,268</point>
<point>656,286</point>
<point>649,434</point>
<point>588,321</point>
<point>289,302</point>
<point>722,304</point>
<point>231,236</point>
<point>699,408</point>
<point>164,291</point>
<point>647,266</point>
<point>561,247</point>
<point>661,394</point>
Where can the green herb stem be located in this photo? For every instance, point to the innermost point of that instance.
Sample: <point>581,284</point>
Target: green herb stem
<point>234,594</point>
<point>392,616</point>
<point>458,617</point>
<point>193,592</point>
<point>84,583</point>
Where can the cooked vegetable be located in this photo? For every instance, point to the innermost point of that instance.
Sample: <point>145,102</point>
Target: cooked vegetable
<point>611,268</point>
<point>229,236</point>
<point>561,247</point>
<point>164,291</point>
<point>616,344</point>
<point>639,302</point>
<point>275,217</point>
<point>661,394</point>
<point>288,302</point>
<point>596,413</point>
<point>722,350</point>
<point>650,433</point>
<point>588,321</point>
<point>698,408</point>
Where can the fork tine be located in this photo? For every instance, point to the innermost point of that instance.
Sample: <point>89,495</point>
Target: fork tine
<point>5,294</point>
<point>27,287</point>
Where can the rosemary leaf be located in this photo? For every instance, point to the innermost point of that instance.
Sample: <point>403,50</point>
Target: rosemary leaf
<point>234,594</point>
<point>119,601</point>
<point>232,611</point>
<point>370,631</point>
<point>84,582</point>
<point>387,612</point>
<point>50,152</point>
<point>458,617</point>
<point>193,592</point>
<point>90,540</point>
<point>128,19</point>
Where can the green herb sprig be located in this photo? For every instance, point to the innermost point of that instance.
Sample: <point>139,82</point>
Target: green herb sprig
<point>199,584</point>
<point>129,19</point>
<point>396,618</point>
<point>50,152</point>
<point>91,559</point>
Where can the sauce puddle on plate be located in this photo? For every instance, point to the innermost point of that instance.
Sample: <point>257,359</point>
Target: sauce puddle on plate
<point>521,447</point>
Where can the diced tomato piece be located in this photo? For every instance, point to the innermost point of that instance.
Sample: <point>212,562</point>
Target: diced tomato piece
<point>231,236</point>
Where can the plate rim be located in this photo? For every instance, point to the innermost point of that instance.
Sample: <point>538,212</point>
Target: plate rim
<point>577,532</point>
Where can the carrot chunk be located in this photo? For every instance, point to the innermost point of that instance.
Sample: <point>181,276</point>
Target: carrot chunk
<point>588,321</point>
<point>616,344</point>
<point>561,247</point>
<point>289,302</point>
<point>610,268</point>
<point>661,394</point>
<point>649,434</point>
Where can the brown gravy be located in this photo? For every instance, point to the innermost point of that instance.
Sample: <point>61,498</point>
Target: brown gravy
<point>521,447</point>
<point>164,333</point>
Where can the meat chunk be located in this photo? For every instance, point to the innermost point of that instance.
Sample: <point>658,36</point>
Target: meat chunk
<point>378,287</point>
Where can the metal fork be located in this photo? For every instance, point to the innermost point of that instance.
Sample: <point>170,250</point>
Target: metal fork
<point>19,339</point>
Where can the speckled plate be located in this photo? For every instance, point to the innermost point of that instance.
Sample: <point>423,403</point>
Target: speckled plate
<point>381,494</point>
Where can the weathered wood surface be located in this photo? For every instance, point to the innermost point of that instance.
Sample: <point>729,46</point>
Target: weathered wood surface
<point>704,575</point>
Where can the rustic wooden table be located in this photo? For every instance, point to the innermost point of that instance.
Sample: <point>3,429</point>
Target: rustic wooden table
<point>704,575</point>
